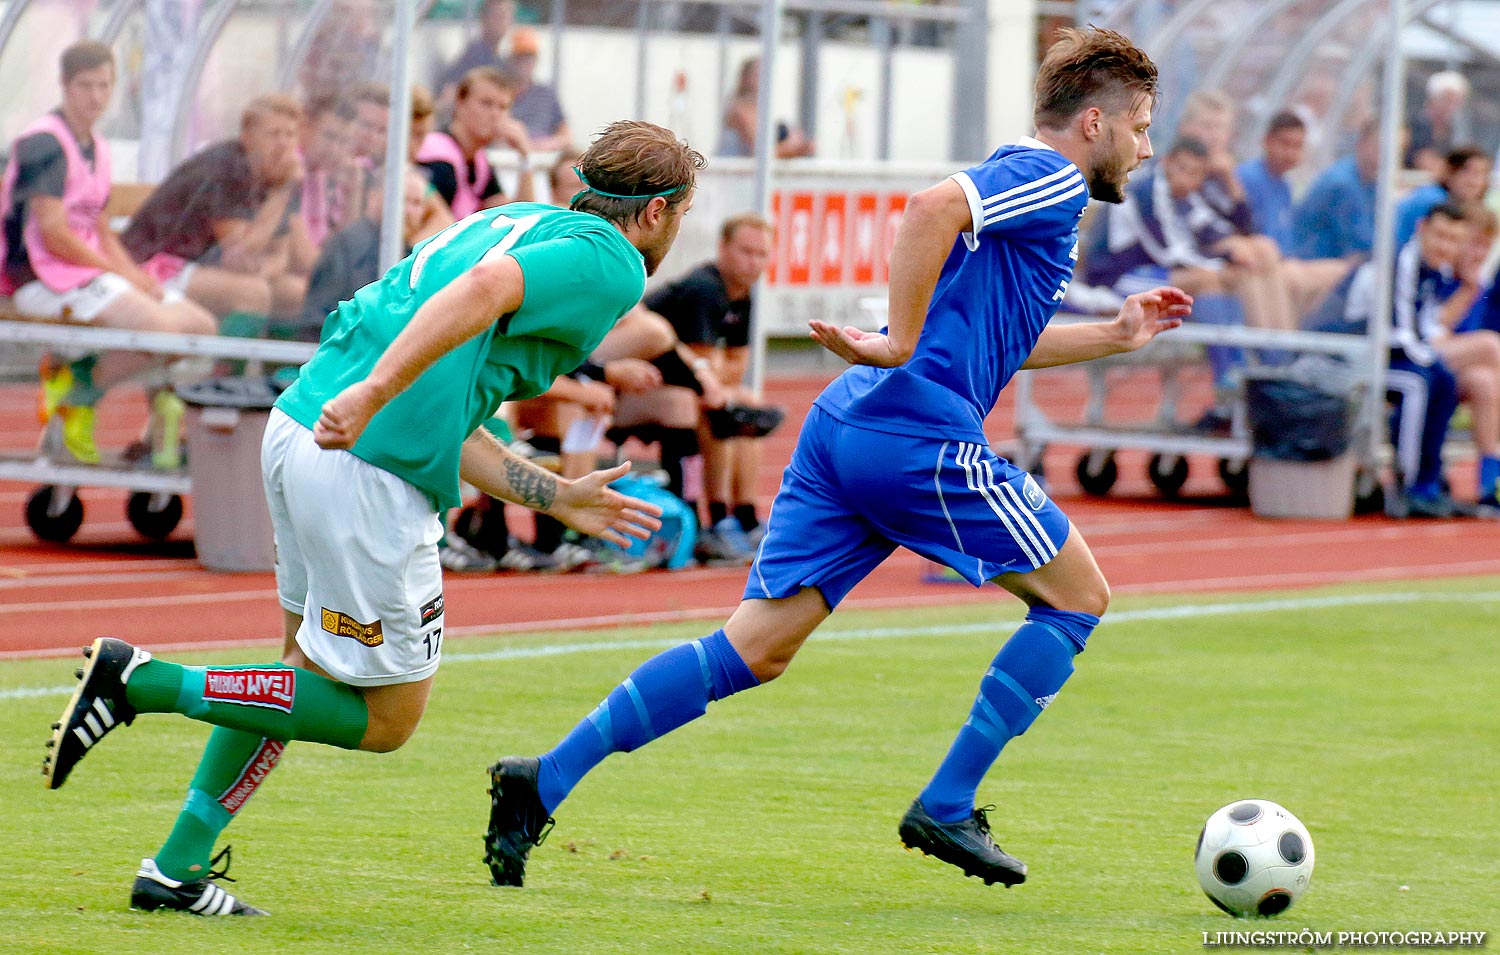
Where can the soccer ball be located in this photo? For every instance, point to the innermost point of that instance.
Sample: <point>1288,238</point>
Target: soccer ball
<point>1254,858</point>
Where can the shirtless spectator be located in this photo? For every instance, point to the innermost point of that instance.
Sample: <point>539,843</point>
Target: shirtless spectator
<point>536,104</point>
<point>223,228</point>
<point>455,157</point>
<point>61,259</point>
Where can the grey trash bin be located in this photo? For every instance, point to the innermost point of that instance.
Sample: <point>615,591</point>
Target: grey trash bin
<point>225,421</point>
<point>1301,421</point>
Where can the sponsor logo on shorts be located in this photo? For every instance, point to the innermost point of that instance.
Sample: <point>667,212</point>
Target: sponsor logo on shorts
<point>1042,701</point>
<point>1033,493</point>
<point>343,625</point>
<point>432,610</point>
<point>260,765</point>
<point>272,689</point>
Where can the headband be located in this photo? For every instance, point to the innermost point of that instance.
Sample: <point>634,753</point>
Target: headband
<point>589,187</point>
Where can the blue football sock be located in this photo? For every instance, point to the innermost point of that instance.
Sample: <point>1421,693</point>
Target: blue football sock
<point>1026,674</point>
<point>1489,478</point>
<point>667,691</point>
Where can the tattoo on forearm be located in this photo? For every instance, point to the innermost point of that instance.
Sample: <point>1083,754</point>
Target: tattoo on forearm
<point>532,486</point>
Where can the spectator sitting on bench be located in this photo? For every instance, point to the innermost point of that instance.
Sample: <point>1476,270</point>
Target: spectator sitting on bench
<point>350,259</point>
<point>1464,179</point>
<point>1484,314</point>
<point>63,262</point>
<point>223,227</point>
<point>1435,286</point>
<point>335,185</point>
<point>1166,231</point>
<point>1336,217</point>
<point>709,308</point>
<point>1209,117</point>
<point>456,156</point>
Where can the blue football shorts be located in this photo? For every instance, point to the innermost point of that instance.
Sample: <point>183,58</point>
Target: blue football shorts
<point>852,495</point>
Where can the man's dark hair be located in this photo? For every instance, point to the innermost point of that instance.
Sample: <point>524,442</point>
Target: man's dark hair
<point>1460,156</point>
<point>1448,210</point>
<point>1087,68</point>
<point>83,56</point>
<point>633,161</point>
<point>1189,146</point>
<point>1286,119</point>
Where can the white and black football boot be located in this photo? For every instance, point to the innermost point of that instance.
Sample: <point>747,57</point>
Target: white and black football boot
<point>97,706</point>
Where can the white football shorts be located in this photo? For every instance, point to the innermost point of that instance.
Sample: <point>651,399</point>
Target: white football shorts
<point>356,555</point>
<point>82,304</point>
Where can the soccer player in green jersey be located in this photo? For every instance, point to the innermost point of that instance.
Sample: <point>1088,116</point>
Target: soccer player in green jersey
<point>359,458</point>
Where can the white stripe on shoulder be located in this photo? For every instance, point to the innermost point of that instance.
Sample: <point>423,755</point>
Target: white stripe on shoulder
<point>1062,197</point>
<point>976,212</point>
<point>1034,184</point>
<point>1066,183</point>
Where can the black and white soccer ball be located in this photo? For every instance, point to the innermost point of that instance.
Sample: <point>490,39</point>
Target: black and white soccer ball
<point>1254,858</point>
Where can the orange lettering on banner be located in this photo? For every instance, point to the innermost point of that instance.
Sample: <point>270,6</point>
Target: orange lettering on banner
<point>862,246</point>
<point>831,233</point>
<point>895,205</point>
<point>799,229</point>
<point>778,247</point>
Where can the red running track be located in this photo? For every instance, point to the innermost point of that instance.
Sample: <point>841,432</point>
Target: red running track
<point>107,581</point>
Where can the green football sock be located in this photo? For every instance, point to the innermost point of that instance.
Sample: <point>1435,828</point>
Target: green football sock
<point>274,701</point>
<point>84,393</point>
<point>233,767</point>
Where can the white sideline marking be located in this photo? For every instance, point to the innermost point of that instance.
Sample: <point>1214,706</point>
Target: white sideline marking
<point>1177,612</point>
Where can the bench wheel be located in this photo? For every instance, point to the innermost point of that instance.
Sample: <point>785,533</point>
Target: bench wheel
<point>1097,472</point>
<point>154,516</point>
<point>1236,476</point>
<point>1168,473</point>
<point>50,517</point>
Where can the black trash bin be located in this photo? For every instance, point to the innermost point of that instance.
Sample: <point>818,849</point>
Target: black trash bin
<point>1301,427</point>
<point>225,421</point>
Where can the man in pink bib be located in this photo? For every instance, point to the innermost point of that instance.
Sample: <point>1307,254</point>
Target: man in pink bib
<point>62,262</point>
<point>456,157</point>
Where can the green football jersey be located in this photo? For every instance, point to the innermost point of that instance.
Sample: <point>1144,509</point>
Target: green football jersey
<point>581,275</point>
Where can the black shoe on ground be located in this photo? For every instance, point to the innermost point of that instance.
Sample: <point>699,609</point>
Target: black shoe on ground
<point>743,421</point>
<point>966,844</point>
<point>153,891</point>
<point>517,819</point>
<point>97,706</point>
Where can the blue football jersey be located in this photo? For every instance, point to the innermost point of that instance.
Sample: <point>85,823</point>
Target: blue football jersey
<point>998,289</point>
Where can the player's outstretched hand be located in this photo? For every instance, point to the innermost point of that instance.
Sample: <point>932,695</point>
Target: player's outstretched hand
<point>590,506</point>
<point>1147,314</point>
<point>345,416</point>
<point>857,347</point>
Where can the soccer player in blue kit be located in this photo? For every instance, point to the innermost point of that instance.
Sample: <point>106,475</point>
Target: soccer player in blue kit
<point>893,453</point>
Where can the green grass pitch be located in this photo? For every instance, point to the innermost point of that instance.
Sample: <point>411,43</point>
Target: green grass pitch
<point>769,827</point>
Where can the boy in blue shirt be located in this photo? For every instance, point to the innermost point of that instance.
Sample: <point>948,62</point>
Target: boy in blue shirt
<point>894,453</point>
